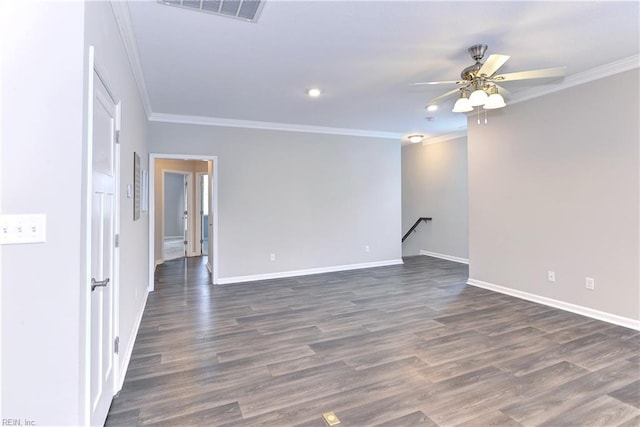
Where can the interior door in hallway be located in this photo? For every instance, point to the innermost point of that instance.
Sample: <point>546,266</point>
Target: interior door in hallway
<point>103,216</point>
<point>176,232</point>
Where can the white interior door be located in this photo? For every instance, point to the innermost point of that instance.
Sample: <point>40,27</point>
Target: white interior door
<point>103,216</point>
<point>210,219</point>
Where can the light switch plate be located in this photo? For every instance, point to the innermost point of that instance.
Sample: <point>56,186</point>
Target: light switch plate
<point>18,229</point>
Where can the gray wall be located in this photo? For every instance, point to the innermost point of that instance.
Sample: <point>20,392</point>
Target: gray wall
<point>43,285</point>
<point>553,185</point>
<point>434,184</point>
<point>173,204</point>
<point>101,31</point>
<point>313,200</point>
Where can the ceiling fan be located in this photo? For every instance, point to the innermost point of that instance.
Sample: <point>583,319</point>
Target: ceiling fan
<point>479,84</point>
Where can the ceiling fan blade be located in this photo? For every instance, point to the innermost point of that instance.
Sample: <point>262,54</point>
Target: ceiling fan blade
<point>443,96</point>
<point>533,74</point>
<point>447,82</point>
<point>492,64</point>
<point>504,92</point>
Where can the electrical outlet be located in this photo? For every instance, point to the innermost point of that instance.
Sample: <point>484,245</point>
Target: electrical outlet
<point>366,248</point>
<point>589,283</point>
<point>272,257</point>
<point>551,276</point>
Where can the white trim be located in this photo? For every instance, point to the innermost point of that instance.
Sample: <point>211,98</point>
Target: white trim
<point>445,137</point>
<point>306,272</point>
<point>116,250</point>
<point>443,256</point>
<point>125,28</point>
<point>86,232</point>
<point>125,358</point>
<point>197,249</point>
<point>250,124</point>
<point>597,73</point>
<point>585,311</point>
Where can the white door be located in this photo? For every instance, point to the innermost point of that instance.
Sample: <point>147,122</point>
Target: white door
<point>103,212</point>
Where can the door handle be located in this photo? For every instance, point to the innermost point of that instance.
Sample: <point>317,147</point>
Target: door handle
<point>95,284</point>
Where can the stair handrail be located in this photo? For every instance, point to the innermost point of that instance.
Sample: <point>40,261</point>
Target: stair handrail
<point>413,227</point>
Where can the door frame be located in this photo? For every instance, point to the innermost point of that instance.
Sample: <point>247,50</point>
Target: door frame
<point>198,210</point>
<point>213,182</point>
<point>94,69</point>
<point>189,207</point>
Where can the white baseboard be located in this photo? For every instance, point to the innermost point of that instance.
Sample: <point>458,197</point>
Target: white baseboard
<point>306,272</point>
<point>578,309</point>
<point>447,257</point>
<point>125,357</point>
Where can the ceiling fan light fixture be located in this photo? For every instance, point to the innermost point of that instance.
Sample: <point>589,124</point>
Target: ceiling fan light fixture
<point>494,101</point>
<point>462,105</point>
<point>478,97</point>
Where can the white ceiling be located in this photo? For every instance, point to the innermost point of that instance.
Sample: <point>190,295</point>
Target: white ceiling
<point>364,55</point>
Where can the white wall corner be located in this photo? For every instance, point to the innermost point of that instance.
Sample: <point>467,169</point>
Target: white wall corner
<point>125,28</point>
<point>584,311</point>
<point>306,272</point>
<point>444,256</point>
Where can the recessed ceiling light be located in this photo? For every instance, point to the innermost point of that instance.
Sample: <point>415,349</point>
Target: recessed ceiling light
<point>432,108</point>
<point>314,92</point>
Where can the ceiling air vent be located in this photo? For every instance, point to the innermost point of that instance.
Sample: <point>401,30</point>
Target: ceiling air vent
<point>247,10</point>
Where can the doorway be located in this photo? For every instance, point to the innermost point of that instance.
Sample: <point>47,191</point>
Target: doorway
<point>176,214</point>
<point>202,227</point>
<point>200,222</point>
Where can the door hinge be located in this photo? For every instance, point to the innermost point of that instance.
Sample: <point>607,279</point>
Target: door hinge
<point>185,242</point>
<point>117,241</point>
<point>117,136</point>
<point>116,345</point>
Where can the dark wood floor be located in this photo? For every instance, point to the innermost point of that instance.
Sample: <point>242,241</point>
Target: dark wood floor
<point>396,346</point>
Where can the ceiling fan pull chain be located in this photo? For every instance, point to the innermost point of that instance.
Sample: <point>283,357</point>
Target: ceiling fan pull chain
<point>485,116</point>
<point>478,115</point>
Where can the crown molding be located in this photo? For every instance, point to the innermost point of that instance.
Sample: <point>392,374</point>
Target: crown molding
<point>597,73</point>
<point>249,124</point>
<point>445,137</point>
<point>125,28</point>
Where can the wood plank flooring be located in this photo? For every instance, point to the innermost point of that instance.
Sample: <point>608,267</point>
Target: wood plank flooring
<point>403,345</point>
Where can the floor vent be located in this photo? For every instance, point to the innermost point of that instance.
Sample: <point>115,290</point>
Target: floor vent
<point>247,10</point>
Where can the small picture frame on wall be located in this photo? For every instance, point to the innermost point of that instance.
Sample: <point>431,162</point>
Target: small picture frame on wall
<point>137,186</point>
